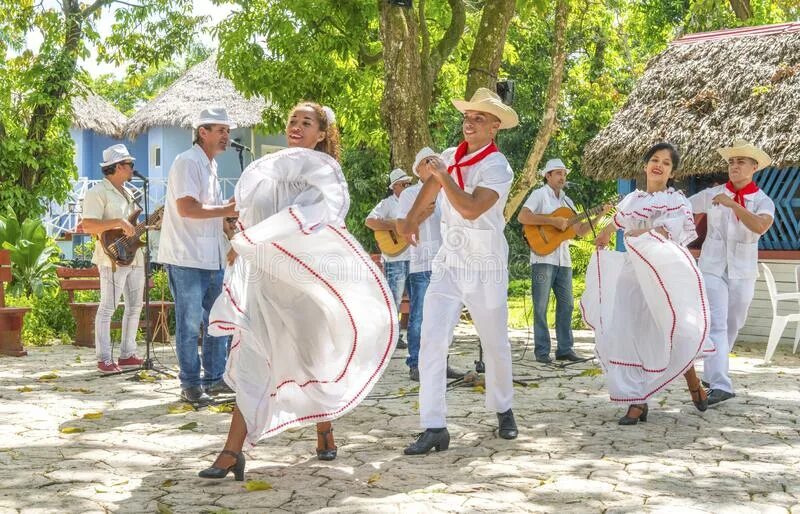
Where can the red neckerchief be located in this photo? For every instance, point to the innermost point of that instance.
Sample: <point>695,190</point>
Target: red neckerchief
<point>738,196</point>
<point>461,151</point>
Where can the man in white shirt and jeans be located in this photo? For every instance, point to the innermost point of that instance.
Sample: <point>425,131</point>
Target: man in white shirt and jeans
<point>193,248</point>
<point>107,206</point>
<point>471,267</point>
<point>737,214</point>
<point>382,217</point>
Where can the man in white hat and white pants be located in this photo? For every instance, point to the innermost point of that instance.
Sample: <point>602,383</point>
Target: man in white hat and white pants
<point>421,260</point>
<point>107,206</point>
<point>193,248</point>
<point>737,214</point>
<point>382,217</point>
<point>471,267</point>
<point>552,271</point>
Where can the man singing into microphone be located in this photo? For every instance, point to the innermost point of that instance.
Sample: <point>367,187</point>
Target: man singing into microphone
<point>107,206</point>
<point>552,271</point>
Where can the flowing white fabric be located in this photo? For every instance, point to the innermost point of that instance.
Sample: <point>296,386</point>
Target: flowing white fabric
<point>648,306</point>
<point>313,322</point>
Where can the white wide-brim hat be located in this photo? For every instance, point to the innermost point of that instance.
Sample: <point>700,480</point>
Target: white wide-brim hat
<point>214,116</point>
<point>114,154</point>
<point>485,100</point>
<point>422,154</point>
<point>398,175</point>
<point>744,148</point>
<point>553,164</point>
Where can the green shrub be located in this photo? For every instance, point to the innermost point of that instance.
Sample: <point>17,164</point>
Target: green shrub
<point>49,319</point>
<point>33,255</point>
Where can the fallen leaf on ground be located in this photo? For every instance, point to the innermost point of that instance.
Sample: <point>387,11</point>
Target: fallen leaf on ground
<point>49,376</point>
<point>591,372</point>
<point>479,389</point>
<point>188,426</point>
<point>77,358</point>
<point>144,376</point>
<point>72,430</point>
<point>93,415</point>
<point>257,485</point>
<point>222,407</point>
<point>180,408</point>
<point>534,385</point>
<point>168,483</point>
<point>374,478</point>
<point>163,508</point>
<point>24,389</point>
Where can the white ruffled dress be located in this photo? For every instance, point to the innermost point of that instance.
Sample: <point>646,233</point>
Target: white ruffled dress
<point>647,306</point>
<point>313,322</point>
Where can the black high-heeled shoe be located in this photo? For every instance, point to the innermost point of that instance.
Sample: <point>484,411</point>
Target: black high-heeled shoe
<point>217,473</point>
<point>701,403</point>
<point>631,417</point>
<point>326,453</point>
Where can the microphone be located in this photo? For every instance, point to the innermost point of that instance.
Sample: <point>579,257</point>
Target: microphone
<point>139,175</point>
<point>236,145</point>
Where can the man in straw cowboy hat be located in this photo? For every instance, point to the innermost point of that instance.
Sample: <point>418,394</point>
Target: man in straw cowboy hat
<point>552,271</point>
<point>471,267</point>
<point>737,212</point>
<point>193,248</point>
<point>107,206</point>
<point>382,217</point>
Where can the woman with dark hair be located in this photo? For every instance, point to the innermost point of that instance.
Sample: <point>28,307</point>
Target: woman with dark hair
<point>312,319</point>
<point>648,306</point>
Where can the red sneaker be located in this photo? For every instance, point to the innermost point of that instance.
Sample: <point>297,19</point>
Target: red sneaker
<point>130,362</point>
<point>106,367</point>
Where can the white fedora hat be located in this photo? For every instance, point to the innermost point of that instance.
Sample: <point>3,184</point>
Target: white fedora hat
<point>398,175</point>
<point>215,115</point>
<point>553,164</point>
<point>425,152</point>
<point>744,148</point>
<point>487,101</point>
<point>114,154</point>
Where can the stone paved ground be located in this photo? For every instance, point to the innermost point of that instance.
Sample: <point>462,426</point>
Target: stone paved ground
<point>741,456</point>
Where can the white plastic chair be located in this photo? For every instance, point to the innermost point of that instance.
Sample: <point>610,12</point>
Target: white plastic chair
<point>779,321</point>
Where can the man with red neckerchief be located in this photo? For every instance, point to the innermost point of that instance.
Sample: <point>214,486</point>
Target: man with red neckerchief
<point>737,214</point>
<point>471,267</point>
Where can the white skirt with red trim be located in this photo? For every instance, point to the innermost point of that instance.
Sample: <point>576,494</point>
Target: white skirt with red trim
<point>649,312</point>
<point>313,326</point>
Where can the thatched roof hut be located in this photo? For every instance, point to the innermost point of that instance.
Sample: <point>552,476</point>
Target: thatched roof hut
<point>92,112</point>
<point>180,104</point>
<point>701,93</point>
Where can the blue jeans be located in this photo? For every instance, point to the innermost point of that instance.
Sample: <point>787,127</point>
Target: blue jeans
<point>545,277</point>
<point>417,285</point>
<point>194,291</point>
<point>396,274</point>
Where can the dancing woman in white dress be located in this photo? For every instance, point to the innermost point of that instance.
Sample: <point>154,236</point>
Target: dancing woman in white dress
<point>648,305</point>
<point>312,318</point>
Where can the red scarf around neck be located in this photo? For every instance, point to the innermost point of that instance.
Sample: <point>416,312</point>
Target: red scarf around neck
<point>738,196</point>
<point>461,151</point>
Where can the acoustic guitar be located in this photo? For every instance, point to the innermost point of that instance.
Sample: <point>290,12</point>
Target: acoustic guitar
<point>545,239</point>
<point>121,248</point>
<point>390,242</point>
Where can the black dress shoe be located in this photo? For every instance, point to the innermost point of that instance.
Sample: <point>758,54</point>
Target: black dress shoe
<point>428,440</point>
<point>570,356</point>
<point>705,384</point>
<point>401,344</point>
<point>636,412</point>
<point>219,387</point>
<point>217,473</point>
<point>195,394</point>
<point>545,359</point>
<point>454,373</point>
<point>718,395</point>
<point>413,374</point>
<point>507,427</point>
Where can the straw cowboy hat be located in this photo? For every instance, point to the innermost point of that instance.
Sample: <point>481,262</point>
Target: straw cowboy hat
<point>214,116</point>
<point>422,154</point>
<point>744,148</point>
<point>487,101</point>
<point>398,175</point>
<point>553,164</point>
<point>114,154</point>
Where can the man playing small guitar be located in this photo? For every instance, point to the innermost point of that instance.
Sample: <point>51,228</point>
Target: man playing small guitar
<point>107,206</point>
<point>554,270</point>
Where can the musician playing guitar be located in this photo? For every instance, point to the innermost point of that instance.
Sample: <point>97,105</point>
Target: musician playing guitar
<point>107,206</point>
<point>382,218</point>
<point>554,270</point>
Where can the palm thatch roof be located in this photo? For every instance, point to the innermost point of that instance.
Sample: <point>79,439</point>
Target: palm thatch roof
<point>702,92</point>
<point>92,112</point>
<point>200,87</point>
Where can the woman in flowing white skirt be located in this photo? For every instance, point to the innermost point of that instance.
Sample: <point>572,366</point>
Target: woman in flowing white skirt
<point>648,306</point>
<point>312,319</point>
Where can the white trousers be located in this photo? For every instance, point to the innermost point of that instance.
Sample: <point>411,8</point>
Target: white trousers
<point>127,281</point>
<point>484,294</point>
<point>728,299</point>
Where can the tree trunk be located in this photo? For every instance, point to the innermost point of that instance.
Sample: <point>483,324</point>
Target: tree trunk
<point>742,9</point>
<point>484,63</point>
<point>529,174</point>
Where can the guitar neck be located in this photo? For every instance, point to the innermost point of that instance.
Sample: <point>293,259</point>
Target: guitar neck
<point>585,215</point>
<point>140,227</point>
